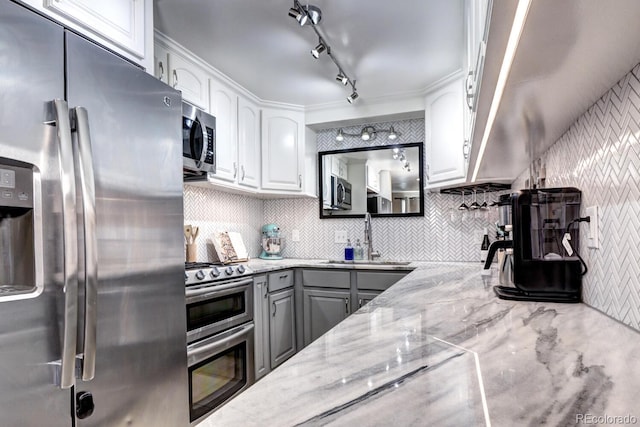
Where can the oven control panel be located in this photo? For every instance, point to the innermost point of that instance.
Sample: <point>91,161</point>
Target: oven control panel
<point>203,273</point>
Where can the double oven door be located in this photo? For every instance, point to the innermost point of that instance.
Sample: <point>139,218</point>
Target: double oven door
<point>220,343</point>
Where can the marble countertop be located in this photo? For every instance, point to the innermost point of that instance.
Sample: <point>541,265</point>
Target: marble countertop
<point>438,348</point>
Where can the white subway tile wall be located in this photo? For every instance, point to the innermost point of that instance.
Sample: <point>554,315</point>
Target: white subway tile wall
<point>600,155</point>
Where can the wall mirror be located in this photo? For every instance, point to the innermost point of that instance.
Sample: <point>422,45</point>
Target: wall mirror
<point>385,181</point>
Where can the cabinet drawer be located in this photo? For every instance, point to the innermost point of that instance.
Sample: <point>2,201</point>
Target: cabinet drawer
<point>326,279</point>
<point>280,280</point>
<point>378,281</point>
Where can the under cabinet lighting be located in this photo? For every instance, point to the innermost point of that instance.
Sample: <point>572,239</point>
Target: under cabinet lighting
<point>509,54</point>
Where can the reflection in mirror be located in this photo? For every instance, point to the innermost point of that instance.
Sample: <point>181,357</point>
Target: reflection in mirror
<point>381,180</point>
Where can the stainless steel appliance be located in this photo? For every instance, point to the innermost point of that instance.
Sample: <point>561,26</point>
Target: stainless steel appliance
<point>220,333</point>
<point>542,261</point>
<point>340,193</point>
<point>92,324</point>
<point>198,142</point>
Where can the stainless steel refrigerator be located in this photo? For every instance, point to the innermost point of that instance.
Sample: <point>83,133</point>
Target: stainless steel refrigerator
<point>92,302</point>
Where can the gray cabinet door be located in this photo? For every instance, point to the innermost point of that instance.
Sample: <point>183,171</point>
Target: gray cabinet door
<point>323,309</point>
<point>282,326</point>
<point>261,320</point>
<point>365,297</point>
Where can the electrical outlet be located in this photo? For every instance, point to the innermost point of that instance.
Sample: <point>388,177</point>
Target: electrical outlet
<point>340,236</point>
<point>593,240</point>
<point>295,235</point>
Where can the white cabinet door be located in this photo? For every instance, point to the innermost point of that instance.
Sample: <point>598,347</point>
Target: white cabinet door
<point>224,106</point>
<point>248,143</point>
<point>190,79</point>
<point>282,149</point>
<point>444,134</point>
<point>373,178</point>
<point>161,63</point>
<point>120,21</point>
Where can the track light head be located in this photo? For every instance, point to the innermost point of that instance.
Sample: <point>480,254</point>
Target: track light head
<point>308,14</point>
<point>340,136</point>
<point>316,51</point>
<point>351,98</point>
<point>342,78</point>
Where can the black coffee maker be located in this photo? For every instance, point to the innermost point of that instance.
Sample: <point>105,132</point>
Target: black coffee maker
<point>545,241</point>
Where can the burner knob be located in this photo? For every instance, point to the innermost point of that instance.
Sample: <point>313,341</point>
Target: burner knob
<point>214,272</point>
<point>229,271</point>
<point>240,269</point>
<point>186,277</point>
<point>200,275</point>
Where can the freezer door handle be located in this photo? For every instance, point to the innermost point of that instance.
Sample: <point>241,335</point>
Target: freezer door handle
<point>87,184</point>
<point>69,236</point>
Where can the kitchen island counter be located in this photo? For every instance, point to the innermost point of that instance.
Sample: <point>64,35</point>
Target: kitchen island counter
<point>438,348</point>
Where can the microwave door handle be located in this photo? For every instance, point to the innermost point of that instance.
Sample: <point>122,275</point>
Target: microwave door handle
<point>88,188</point>
<point>70,243</point>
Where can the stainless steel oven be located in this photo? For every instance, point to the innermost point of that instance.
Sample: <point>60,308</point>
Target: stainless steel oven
<point>220,335</point>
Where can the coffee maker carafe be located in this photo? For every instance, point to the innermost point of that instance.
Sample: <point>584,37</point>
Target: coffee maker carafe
<point>544,261</point>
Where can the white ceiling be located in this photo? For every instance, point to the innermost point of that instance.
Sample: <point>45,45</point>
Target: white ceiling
<point>390,47</point>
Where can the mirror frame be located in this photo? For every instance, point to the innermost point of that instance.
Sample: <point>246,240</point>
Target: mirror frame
<point>420,146</point>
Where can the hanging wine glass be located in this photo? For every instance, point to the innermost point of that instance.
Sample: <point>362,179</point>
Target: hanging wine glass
<point>475,205</point>
<point>484,205</point>
<point>463,206</point>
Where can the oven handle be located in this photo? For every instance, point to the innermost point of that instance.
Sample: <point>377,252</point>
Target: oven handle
<point>216,344</point>
<point>216,288</point>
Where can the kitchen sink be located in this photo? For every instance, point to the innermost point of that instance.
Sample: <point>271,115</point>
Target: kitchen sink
<point>366,262</point>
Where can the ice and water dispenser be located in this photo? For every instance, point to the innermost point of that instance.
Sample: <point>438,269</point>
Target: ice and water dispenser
<point>17,231</point>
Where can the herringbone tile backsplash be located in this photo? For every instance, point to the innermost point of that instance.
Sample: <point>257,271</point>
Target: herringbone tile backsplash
<point>600,155</point>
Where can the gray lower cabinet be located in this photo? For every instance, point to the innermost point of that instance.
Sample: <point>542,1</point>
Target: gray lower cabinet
<point>365,297</point>
<point>261,331</point>
<point>282,326</point>
<point>323,309</point>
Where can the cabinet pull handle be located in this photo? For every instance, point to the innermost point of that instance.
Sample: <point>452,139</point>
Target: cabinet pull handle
<point>465,150</point>
<point>242,169</point>
<point>235,170</point>
<point>266,289</point>
<point>161,67</point>
<point>300,181</point>
<point>360,303</point>
<point>469,89</point>
<point>284,276</point>
<point>346,305</point>
<point>175,79</point>
<point>275,307</point>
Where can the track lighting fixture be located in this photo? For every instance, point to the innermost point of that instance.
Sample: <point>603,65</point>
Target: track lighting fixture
<point>312,15</point>
<point>369,133</point>
<point>316,51</point>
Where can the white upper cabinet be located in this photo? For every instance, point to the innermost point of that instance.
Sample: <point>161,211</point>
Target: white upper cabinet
<point>125,26</point>
<point>248,143</point>
<point>190,79</point>
<point>224,106</point>
<point>445,146</point>
<point>373,178</point>
<point>282,149</point>
<point>161,63</point>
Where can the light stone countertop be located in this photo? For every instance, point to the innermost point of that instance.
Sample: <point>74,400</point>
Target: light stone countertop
<point>440,349</point>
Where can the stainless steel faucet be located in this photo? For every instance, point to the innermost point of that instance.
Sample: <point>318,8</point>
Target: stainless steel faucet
<point>371,254</point>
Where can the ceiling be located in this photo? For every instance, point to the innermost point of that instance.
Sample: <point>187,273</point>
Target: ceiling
<point>390,48</point>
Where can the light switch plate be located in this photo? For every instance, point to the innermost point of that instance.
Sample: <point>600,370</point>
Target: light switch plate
<point>340,236</point>
<point>593,239</point>
<point>295,235</point>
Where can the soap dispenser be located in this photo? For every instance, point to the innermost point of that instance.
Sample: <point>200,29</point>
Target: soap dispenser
<point>348,251</point>
<point>358,253</point>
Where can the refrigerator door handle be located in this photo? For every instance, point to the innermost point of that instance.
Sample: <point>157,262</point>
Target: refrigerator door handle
<point>70,236</point>
<point>88,189</point>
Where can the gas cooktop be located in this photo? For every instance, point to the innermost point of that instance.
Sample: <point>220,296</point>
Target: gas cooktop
<point>203,272</point>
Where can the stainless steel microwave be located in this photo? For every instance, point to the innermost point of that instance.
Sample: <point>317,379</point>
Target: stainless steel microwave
<point>340,193</point>
<point>198,141</point>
